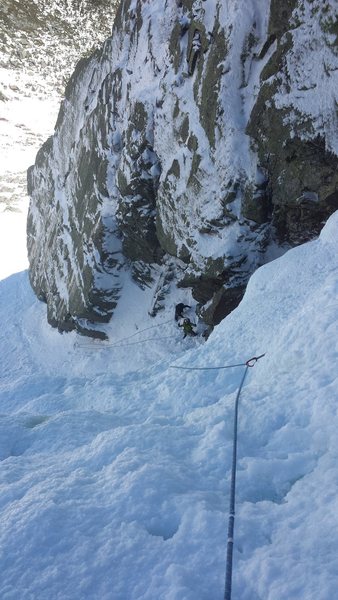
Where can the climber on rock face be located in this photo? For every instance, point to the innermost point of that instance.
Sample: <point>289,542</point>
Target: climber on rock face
<point>179,310</point>
<point>188,328</point>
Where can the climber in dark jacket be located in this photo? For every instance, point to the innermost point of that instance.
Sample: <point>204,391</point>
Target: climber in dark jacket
<point>179,310</point>
<point>188,328</point>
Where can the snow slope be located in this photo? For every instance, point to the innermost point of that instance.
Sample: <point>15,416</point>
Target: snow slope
<point>116,467</point>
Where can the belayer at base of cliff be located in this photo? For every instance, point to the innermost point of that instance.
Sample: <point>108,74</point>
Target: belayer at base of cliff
<point>179,310</point>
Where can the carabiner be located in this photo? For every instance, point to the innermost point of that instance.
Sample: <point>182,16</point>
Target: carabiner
<point>252,361</point>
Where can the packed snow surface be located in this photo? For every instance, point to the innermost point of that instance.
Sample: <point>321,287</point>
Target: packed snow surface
<point>116,467</point>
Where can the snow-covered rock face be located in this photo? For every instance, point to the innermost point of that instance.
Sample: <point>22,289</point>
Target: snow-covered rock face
<point>294,121</point>
<point>199,130</point>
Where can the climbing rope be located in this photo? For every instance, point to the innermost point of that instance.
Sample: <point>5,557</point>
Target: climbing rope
<point>142,331</point>
<point>93,347</point>
<point>249,363</point>
<point>207,368</point>
<point>230,539</point>
<point>167,337</point>
<point>231,522</point>
<point>113,346</point>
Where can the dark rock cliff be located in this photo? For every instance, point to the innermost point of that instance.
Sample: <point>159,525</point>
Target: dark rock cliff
<point>190,144</point>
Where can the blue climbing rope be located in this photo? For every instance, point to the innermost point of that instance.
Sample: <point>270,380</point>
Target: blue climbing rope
<point>207,368</point>
<point>249,363</point>
<point>231,524</point>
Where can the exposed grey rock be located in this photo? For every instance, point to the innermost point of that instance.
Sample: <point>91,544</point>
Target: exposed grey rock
<point>68,184</point>
<point>223,302</point>
<point>300,169</point>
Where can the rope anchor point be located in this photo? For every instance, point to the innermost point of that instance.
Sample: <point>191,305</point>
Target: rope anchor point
<point>252,361</point>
